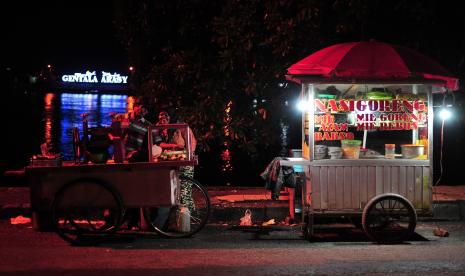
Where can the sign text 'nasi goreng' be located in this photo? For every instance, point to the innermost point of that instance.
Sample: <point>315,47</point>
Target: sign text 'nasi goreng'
<point>370,115</point>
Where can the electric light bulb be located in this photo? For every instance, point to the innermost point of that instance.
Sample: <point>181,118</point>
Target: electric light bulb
<point>445,114</point>
<point>303,106</point>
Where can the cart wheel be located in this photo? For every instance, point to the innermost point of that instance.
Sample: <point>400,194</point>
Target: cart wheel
<point>308,226</point>
<point>86,209</point>
<point>389,218</point>
<point>177,222</point>
<point>308,233</point>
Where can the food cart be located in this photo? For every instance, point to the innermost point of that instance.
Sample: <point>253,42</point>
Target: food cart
<point>367,136</point>
<point>84,201</point>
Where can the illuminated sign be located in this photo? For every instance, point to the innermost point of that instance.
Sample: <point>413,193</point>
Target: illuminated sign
<point>366,115</point>
<point>91,77</point>
<point>330,130</point>
<point>369,105</point>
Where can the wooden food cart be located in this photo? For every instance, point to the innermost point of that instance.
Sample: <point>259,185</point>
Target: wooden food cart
<point>83,201</point>
<point>352,123</point>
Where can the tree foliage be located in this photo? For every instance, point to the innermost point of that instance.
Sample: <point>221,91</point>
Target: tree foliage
<point>196,56</point>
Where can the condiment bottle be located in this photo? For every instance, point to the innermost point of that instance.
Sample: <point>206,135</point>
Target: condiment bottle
<point>390,151</point>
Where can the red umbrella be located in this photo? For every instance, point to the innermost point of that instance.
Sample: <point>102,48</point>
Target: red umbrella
<point>371,60</point>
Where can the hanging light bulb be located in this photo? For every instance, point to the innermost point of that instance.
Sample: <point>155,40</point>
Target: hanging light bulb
<point>445,113</point>
<point>448,101</point>
<point>303,105</point>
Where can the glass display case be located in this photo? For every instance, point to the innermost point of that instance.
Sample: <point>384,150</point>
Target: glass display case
<point>171,142</point>
<point>358,121</point>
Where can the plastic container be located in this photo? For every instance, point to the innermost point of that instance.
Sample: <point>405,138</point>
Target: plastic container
<point>423,142</point>
<point>351,149</point>
<point>326,96</point>
<point>390,151</point>
<point>377,95</point>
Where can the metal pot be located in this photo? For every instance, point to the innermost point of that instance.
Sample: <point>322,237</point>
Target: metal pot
<point>412,151</point>
<point>335,152</point>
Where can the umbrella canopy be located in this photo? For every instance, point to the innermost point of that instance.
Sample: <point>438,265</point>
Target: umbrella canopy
<point>371,60</point>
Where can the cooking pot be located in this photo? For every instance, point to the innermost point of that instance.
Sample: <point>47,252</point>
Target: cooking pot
<point>412,151</point>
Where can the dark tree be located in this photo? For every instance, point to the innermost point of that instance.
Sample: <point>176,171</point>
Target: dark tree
<point>197,56</point>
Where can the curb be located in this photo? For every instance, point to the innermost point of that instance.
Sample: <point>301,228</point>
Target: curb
<point>223,211</point>
<point>446,210</point>
<point>449,210</point>
<point>10,211</point>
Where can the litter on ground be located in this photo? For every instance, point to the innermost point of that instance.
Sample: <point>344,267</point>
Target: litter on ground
<point>20,220</point>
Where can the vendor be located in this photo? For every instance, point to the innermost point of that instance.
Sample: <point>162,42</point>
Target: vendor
<point>136,144</point>
<point>177,139</point>
<point>174,138</point>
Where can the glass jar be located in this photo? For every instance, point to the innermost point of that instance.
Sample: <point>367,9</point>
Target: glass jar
<point>351,149</point>
<point>390,151</point>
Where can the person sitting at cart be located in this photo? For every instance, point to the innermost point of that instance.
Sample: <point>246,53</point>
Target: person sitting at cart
<point>176,139</point>
<point>173,138</point>
<point>136,146</point>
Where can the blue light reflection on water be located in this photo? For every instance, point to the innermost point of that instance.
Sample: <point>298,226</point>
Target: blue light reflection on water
<point>97,106</point>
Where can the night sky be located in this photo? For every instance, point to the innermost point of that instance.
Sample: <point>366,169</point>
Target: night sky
<point>77,34</point>
<point>68,34</point>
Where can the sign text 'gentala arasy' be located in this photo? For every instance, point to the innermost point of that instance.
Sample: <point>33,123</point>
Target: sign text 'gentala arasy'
<point>91,77</point>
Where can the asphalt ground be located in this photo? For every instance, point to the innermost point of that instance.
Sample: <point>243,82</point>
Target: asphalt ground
<point>218,250</point>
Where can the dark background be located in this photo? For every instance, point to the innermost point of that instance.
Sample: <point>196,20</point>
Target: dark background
<point>74,35</point>
<point>67,34</point>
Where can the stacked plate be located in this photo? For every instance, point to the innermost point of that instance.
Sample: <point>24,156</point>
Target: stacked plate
<point>321,152</point>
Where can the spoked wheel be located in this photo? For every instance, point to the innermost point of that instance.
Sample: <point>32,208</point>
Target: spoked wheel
<point>389,218</point>
<point>184,220</point>
<point>85,210</point>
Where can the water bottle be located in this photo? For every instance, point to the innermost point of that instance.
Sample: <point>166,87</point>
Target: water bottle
<point>184,220</point>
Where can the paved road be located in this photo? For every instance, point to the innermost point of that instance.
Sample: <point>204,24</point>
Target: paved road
<point>219,251</point>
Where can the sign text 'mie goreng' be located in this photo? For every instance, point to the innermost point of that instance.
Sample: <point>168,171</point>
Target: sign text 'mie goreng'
<point>92,77</point>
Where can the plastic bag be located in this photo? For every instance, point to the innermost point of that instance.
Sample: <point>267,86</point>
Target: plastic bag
<point>270,222</point>
<point>156,151</point>
<point>246,220</point>
<point>20,220</point>
<point>440,232</point>
<point>178,140</point>
<point>184,220</point>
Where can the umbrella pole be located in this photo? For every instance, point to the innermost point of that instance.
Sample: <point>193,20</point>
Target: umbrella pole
<point>364,139</point>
